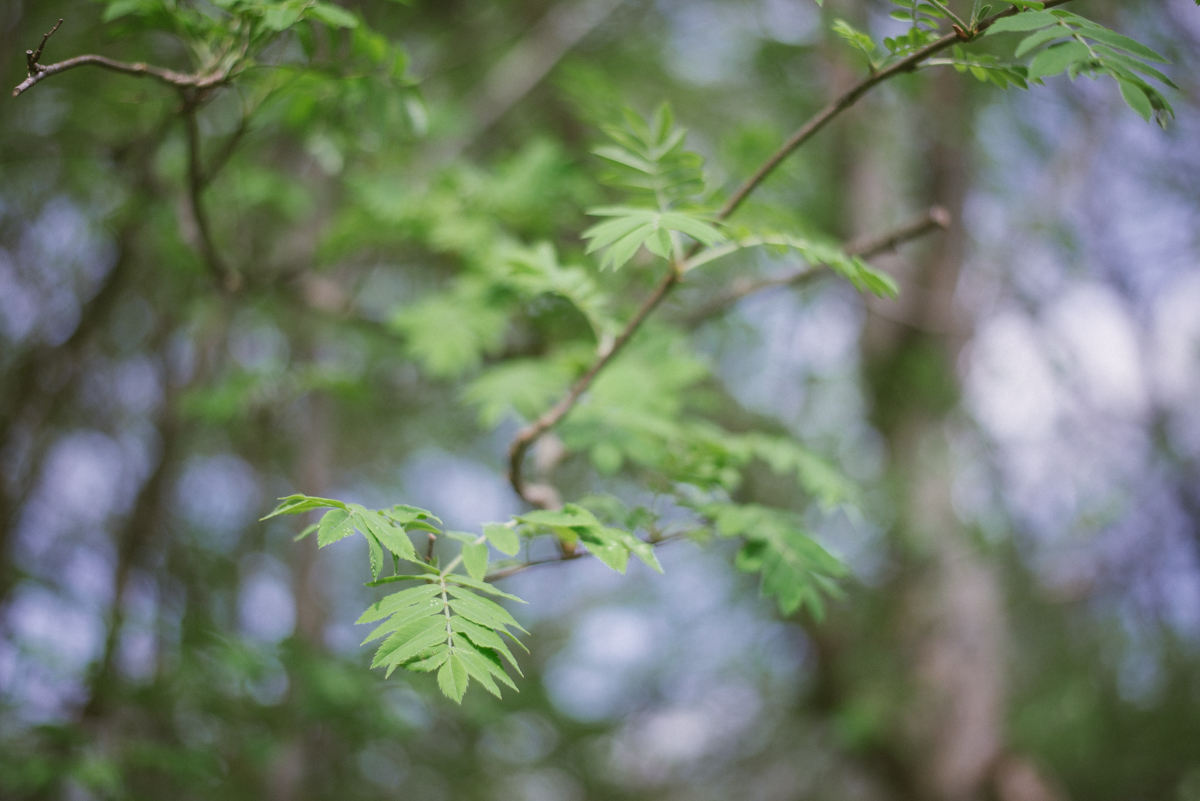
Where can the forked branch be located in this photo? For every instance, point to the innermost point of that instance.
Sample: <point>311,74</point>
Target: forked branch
<point>37,72</point>
<point>529,435</point>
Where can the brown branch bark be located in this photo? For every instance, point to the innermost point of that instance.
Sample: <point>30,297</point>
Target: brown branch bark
<point>529,435</point>
<point>180,80</point>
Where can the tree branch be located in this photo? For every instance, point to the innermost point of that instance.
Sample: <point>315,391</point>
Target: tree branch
<point>852,96</point>
<point>197,180</point>
<point>531,433</point>
<point>36,72</point>
<point>180,80</point>
<point>936,218</point>
<point>527,436</point>
<point>570,556</point>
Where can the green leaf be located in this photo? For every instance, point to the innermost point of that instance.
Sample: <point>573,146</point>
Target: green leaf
<point>433,574</point>
<point>467,581</point>
<point>1040,38</point>
<point>375,553</point>
<point>281,17</point>
<point>333,16</point>
<point>1136,98</point>
<point>648,160</point>
<point>1123,42</point>
<point>1056,59</point>
<point>859,40</point>
<point>607,551</point>
<point>475,559</point>
<point>450,333</point>
<point>405,514</point>
<point>430,663</point>
<point>122,8</point>
<point>410,640</point>
<point>453,679</point>
<point>634,227</point>
<point>693,226</point>
<point>475,666</point>
<point>1027,21</point>
<point>307,530</point>
<point>503,537</point>
<point>1115,61</point>
<point>335,525</point>
<point>483,637</point>
<point>480,610</point>
<point>406,615</point>
<point>297,504</point>
<point>392,538</point>
<point>480,662</point>
<point>795,569</point>
<point>397,601</point>
<point>543,517</point>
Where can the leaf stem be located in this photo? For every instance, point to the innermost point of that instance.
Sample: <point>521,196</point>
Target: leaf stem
<point>946,8</point>
<point>456,561</point>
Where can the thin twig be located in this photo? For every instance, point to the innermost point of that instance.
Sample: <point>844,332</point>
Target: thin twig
<point>218,161</point>
<point>32,57</point>
<point>527,436</point>
<point>180,80</point>
<point>229,279</point>
<point>570,556</point>
<point>934,219</point>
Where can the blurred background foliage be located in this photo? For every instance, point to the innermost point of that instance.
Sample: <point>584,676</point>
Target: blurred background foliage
<point>1023,616</point>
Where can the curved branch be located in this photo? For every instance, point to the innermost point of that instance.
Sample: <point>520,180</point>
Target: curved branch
<point>180,80</point>
<point>529,435</point>
<point>197,180</point>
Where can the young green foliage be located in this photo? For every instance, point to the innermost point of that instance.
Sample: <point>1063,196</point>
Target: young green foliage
<point>445,623</point>
<point>817,253</point>
<point>639,415</point>
<point>985,68</point>
<point>663,180</point>
<point>857,39</point>
<point>795,569</point>
<point>1067,42</point>
<point>575,524</point>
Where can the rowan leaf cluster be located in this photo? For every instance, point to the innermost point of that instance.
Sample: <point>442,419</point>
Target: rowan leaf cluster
<point>537,312</point>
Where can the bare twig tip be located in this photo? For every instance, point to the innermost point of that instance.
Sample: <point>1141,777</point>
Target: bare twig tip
<point>940,216</point>
<point>38,53</point>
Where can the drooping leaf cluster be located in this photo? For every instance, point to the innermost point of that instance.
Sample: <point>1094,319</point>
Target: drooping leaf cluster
<point>1066,42</point>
